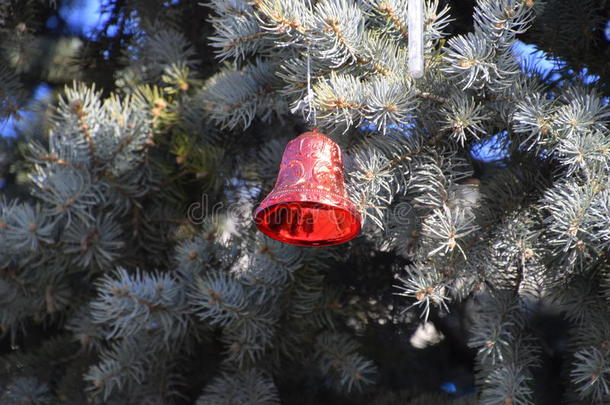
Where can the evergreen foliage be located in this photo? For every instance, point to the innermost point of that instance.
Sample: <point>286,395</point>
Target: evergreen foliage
<point>131,271</point>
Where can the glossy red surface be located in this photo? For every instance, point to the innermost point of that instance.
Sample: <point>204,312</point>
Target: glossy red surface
<point>309,224</point>
<point>309,205</point>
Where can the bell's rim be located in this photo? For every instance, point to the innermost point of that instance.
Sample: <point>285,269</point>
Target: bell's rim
<point>348,208</point>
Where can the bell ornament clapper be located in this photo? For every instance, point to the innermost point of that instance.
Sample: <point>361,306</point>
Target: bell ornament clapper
<point>309,205</point>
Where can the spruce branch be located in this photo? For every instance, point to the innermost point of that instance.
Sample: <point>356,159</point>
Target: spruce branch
<point>67,192</point>
<point>508,385</point>
<point>237,34</point>
<point>98,245</point>
<point>569,222</point>
<point>393,14</point>
<point>584,152</point>
<point>27,390</point>
<point>469,59</point>
<point>26,228</point>
<point>339,360</point>
<point>339,98</point>
<point>463,116</point>
<point>389,104</point>
<point>166,46</point>
<point>591,374</point>
<point>338,31</point>
<point>534,119</point>
<point>143,302</point>
<point>284,17</point>
<point>12,94</point>
<point>249,387</point>
<point>427,285</point>
<point>583,111</point>
<point>502,20</point>
<point>446,227</point>
<point>225,302</point>
<point>495,327</point>
<point>122,366</point>
<point>372,184</point>
<point>234,97</point>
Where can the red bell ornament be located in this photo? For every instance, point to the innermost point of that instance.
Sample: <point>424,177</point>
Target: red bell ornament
<point>309,205</point>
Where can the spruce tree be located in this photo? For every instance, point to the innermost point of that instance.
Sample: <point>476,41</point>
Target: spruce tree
<point>131,270</point>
